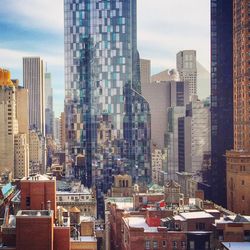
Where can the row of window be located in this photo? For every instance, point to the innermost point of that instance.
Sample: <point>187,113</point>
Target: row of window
<point>60,198</point>
<point>155,244</point>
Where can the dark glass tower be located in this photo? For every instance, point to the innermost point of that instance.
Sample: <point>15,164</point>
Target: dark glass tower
<point>107,119</point>
<point>221,95</point>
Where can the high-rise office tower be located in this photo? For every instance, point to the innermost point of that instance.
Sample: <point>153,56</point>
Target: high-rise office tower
<point>49,113</point>
<point>33,80</point>
<point>179,99</point>
<point>37,152</point>
<point>161,96</point>
<point>238,159</point>
<point>21,140</point>
<point>171,140</point>
<point>8,124</point>
<point>145,69</point>
<point>14,151</point>
<point>62,130</point>
<point>21,155</point>
<point>186,66</point>
<point>156,164</point>
<point>194,136</point>
<point>102,85</point>
<point>22,102</point>
<point>221,95</point>
<point>162,76</point>
<point>57,129</point>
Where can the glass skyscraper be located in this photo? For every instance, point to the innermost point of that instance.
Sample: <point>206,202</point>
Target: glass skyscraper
<point>107,119</point>
<point>221,95</point>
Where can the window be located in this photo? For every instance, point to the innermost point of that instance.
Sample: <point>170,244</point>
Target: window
<point>28,201</point>
<point>200,226</point>
<point>192,245</point>
<point>164,243</point>
<point>207,245</point>
<point>220,235</point>
<point>174,244</point>
<point>183,244</point>
<point>155,244</point>
<point>147,244</point>
<point>247,235</point>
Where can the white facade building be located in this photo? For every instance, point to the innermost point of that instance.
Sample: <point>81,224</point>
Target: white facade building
<point>79,196</point>
<point>37,148</point>
<point>21,157</point>
<point>187,68</point>
<point>33,80</point>
<point>157,164</point>
<point>194,136</point>
<point>14,151</point>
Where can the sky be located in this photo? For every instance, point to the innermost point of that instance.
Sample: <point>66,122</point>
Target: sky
<point>35,28</point>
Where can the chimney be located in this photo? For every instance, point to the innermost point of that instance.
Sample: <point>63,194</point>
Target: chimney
<point>42,205</point>
<point>48,205</point>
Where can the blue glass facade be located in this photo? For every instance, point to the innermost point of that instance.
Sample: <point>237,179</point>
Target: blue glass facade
<point>102,85</point>
<point>221,95</point>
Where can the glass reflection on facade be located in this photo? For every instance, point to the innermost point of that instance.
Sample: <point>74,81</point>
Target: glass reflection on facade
<point>102,84</point>
<point>221,95</point>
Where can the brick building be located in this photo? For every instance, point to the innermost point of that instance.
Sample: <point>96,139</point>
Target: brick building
<point>37,191</point>
<point>159,229</point>
<point>238,159</point>
<point>137,234</point>
<point>142,200</point>
<point>35,229</point>
<point>232,228</point>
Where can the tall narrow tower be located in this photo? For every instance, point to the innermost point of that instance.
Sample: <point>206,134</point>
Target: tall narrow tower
<point>48,102</point>
<point>103,92</point>
<point>221,96</point>
<point>33,80</point>
<point>238,160</point>
<point>14,150</point>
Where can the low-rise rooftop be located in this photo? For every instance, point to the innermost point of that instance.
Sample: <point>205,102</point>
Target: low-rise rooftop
<point>233,219</point>
<point>139,222</point>
<point>123,203</point>
<point>196,215</point>
<point>34,213</point>
<point>84,239</point>
<point>38,177</point>
<point>236,245</point>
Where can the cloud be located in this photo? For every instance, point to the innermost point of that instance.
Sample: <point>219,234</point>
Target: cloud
<point>165,27</point>
<point>42,14</point>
